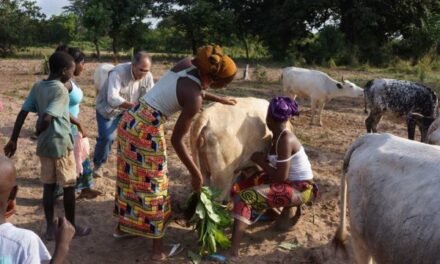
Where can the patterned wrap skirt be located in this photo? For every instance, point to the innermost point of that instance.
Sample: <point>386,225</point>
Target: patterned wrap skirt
<point>256,195</point>
<point>142,202</point>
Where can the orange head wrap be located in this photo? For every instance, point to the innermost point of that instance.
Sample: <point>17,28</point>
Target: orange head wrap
<point>210,60</point>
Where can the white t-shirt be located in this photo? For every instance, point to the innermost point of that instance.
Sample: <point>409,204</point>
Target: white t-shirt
<point>21,246</point>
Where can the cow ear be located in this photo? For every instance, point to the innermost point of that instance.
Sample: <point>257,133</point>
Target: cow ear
<point>339,85</point>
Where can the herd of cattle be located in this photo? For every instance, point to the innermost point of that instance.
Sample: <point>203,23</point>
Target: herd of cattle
<point>392,183</point>
<point>394,206</point>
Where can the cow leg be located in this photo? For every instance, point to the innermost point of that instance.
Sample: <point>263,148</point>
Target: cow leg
<point>423,134</point>
<point>360,250</point>
<point>411,125</point>
<point>320,107</point>
<point>313,109</point>
<point>372,121</point>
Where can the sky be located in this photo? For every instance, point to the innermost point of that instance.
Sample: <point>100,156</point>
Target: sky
<point>52,7</point>
<point>55,7</point>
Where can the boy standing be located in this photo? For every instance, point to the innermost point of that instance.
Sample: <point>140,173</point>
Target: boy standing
<point>49,98</point>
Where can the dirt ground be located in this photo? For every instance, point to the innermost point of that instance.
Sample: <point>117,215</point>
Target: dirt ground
<point>343,122</point>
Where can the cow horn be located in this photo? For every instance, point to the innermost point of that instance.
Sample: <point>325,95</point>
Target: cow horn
<point>417,115</point>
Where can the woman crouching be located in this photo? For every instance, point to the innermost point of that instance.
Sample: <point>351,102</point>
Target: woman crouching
<point>287,178</point>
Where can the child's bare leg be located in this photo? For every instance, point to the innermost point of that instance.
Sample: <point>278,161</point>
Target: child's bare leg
<point>69,204</point>
<point>69,209</point>
<point>48,205</point>
<point>157,252</point>
<point>237,234</point>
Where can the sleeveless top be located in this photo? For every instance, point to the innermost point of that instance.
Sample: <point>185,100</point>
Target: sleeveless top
<point>163,95</point>
<point>75,98</point>
<point>300,167</point>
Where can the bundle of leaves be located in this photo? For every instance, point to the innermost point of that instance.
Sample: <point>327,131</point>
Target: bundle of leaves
<point>210,219</point>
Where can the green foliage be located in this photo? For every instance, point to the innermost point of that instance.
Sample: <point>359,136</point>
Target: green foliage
<point>296,32</point>
<point>210,218</point>
<point>20,24</point>
<point>328,44</point>
<point>202,22</point>
<point>95,18</point>
<point>371,24</point>
<point>58,29</point>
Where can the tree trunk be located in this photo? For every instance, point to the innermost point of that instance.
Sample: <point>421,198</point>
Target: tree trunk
<point>347,20</point>
<point>115,50</point>
<point>193,42</point>
<point>98,52</point>
<point>246,76</point>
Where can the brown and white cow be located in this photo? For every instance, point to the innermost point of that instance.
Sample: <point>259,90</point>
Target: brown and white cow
<point>392,186</point>
<point>224,137</point>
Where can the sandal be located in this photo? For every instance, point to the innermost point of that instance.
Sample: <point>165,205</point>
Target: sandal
<point>82,231</point>
<point>175,250</point>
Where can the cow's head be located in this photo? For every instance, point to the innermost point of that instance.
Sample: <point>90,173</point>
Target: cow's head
<point>349,89</point>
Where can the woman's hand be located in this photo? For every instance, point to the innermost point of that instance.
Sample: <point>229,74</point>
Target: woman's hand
<point>197,183</point>
<point>258,158</point>
<point>82,131</point>
<point>228,101</point>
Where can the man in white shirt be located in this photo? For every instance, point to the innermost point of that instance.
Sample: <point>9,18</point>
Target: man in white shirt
<point>125,85</point>
<point>19,245</point>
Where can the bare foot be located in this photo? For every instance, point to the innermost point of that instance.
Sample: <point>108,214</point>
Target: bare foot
<point>50,232</point>
<point>81,231</point>
<point>158,257</point>
<point>288,218</point>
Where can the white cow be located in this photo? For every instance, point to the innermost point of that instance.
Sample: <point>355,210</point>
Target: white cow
<point>101,75</point>
<point>224,137</point>
<point>316,85</point>
<point>393,187</point>
<point>433,135</point>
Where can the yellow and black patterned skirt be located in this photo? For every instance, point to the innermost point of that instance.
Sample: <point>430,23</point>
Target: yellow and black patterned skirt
<point>142,202</point>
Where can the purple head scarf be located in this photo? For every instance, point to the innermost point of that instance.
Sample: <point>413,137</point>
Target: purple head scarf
<point>282,108</point>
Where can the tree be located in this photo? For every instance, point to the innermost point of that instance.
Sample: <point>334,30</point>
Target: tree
<point>58,29</point>
<point>95,18</point>
<point>369,24</point>
<point>21,22</point>
<point>202,21</point>
<point>115,18</point>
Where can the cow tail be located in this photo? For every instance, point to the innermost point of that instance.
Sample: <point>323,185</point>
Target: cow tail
<point>341,233</point>
<point>365,102</point>
<point>436,106</point>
